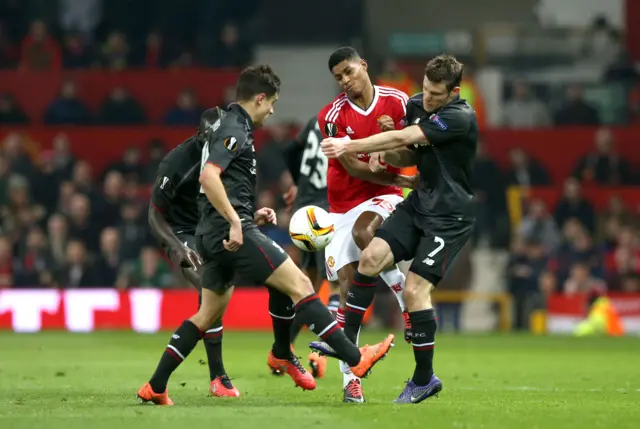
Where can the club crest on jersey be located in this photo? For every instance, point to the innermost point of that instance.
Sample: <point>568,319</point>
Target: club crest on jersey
<point>436,120</point>
<point>330,129</point>
<point>331,262</point>
<point>231,143</point>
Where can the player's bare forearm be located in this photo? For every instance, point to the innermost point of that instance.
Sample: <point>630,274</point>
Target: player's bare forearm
<point>402,157</point>
<point>161,229</point>
<point>388,140</point>
<point>214,190</point>
<point>360,170</point>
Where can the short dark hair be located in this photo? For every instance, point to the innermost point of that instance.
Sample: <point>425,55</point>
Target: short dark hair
<point>342,54</point>
<point>445,68</point>
<point>256,80</point>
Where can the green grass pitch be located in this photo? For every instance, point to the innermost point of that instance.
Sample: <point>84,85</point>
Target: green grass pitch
<point>67,381</point>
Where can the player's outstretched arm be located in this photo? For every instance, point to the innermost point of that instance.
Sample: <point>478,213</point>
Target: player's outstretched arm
<point>401,157</point>
<point>214,190</point>
<point>389,140</point>
<point>360,170</point>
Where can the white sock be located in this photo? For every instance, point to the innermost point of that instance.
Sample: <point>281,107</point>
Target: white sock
<point>347,375</point>
<point>395,280</point>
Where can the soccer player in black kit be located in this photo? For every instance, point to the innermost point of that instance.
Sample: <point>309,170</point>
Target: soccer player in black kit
<point>173,216</point>
<point>436,220</point>
<point>232,247</point>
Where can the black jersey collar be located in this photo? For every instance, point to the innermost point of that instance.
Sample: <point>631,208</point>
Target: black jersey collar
<point>235,107</point>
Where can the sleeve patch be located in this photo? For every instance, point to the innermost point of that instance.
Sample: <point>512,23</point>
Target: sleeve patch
<point>231,143</point>
<point>439,122</point>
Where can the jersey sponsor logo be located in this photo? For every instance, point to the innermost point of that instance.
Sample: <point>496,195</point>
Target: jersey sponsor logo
<point>330,129</point>
<point>165,182</point>
<point>350,130</point>
<point>231,143</point>
<point>436,120</point>
<point>331,262</point>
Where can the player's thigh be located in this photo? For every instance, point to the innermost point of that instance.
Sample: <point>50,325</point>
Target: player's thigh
<point>257,259</point>
<point>365,228</point>
<point>342,250</point>
<point>438,249</point>
<point>399,232</point>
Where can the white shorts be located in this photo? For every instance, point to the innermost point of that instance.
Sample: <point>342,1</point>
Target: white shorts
<point>342,250</point>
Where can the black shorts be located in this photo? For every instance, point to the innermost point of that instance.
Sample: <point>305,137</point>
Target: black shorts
<point>314,261</point>
<point>432,242</point>
<point>252,264</point>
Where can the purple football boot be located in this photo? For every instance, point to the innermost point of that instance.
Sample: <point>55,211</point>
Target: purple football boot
<point>414,394</point>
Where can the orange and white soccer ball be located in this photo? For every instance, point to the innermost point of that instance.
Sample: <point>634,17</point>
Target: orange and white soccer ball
<point>311,228</point>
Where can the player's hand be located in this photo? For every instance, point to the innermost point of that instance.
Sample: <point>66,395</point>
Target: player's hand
<point>333,148</point>
<point>386,123</point>
<point>376,162</point>
<point>188,257</point>
<point>264,216</point>
<point>235,238</point>
<point>412,181</point>
<point>290,196</point>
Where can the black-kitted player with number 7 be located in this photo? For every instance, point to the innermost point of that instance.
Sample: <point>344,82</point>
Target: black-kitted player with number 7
<point>433,224</point>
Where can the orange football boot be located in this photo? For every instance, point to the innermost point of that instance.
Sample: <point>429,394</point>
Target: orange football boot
<point>318,364</point>
<point>371,355</point>
<point>292,366</point>
<point>146,394</point>
<point>222,386</point>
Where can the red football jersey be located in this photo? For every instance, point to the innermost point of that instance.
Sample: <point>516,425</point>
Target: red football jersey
<point>346,192</point>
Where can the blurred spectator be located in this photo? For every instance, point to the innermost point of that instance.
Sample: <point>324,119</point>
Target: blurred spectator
<point>148,271</point>
<point>548,285</point>
<point>186,112</point>
<point>231,51</point>
<point>115,52</point>
<point>612,218</point>
<point>539,226</point>
<point>62,156</point>
<point>81,226</point>
<point>83,179</point>
<point>622,71</point>
<point>20,213</point>
<point>75,52</point>
<point>490,186</point>
<point>270,158</point>
<point>630,284</point>
<point>525,171</point>
<point>109,204</point>
<point>624,259</point>
<point>573,205</point>
<point>77,271</point>
<point>575,110</point>
<point>134,232</point>
<point>81,16</point>
<point>581,281</point>
<point>58,234</point>
<point>156,53</point>
<point>156,151</point>
<point>39,50</point>
<point>6,263</point>
<point>130,165</point>
<point>46,182</point>
<point>10,112</point>
<point>524,110</point>
<point>33,267</point>
<point>67,109</point>
<point>131,191</point>
<point>393,76</point>
<point>16,151</point>
<point>107,264</point>
<point>577,247</point>
<point>601,41</point>
<point>527,263</point>
<point>65,196</point>
<point>4,179</point>
<point>121,109</point>
<point>603,166</point>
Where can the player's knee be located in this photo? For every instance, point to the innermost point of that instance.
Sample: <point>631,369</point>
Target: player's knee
<point>417,294</point>
<point>301,287</point>
<point>362,236</point>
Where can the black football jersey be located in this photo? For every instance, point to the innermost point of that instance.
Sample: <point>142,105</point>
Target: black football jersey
<point>312,178</point>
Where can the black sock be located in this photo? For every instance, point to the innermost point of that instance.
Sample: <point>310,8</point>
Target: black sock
<point>359,298</point>
<point>423,332</point>
<point>334,303</point>
<point>182,342</point>
<point>282,315</point>
<point>311,312</point>
<point>213,345</point>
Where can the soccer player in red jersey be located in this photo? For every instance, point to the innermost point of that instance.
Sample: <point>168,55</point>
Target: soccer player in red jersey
<point>359,199</point>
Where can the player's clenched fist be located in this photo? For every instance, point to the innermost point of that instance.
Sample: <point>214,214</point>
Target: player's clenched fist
<point>264,216</point>
<point>376,162</point>
<point>235,238</point>
<point>386,123</point>
<point>333,148</point>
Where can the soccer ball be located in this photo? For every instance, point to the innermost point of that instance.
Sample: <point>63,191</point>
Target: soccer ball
<point>311,228</point>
